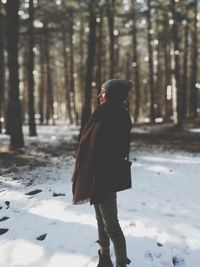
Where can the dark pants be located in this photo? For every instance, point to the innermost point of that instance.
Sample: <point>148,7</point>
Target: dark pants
<point>109,228</point>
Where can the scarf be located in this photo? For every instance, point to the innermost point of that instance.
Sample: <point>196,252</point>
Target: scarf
<point>83,172</point>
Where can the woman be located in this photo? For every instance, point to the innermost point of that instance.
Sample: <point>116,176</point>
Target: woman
<point>104,141</point>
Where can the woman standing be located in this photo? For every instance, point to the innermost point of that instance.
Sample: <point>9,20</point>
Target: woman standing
<point>104,141</point>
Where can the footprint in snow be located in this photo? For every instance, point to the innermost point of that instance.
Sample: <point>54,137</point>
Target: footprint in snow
<point>159,244</point>
<point>178,261</point>
<point>34,192</point>
<point>57,194</point>
<point>148,255</point>
<point>3,231</point>
<point>15,178</point>
<point>4,219</point>
<point>29,183</point>
<point>41,237</point>
<point>132,224</point>
<point>7,204</point>
<point>158,255</point>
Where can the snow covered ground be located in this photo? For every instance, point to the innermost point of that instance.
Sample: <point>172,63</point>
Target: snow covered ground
<point>160,215</point>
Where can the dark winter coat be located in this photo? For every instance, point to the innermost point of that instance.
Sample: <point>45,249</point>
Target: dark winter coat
<point>104,142</point>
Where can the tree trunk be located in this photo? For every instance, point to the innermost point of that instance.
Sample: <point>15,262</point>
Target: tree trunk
<point>110,14</point>
<point>49,91</point>
<point>185,69</point>
<point>67,91</point>
<point>175,35</point>
<point>31,109</point>
<point>2,67</point>
<point>14,108</point>
<point>24,104</point>
<point>151,67</point>
<point>127,63</point>
<point>82,64</point>
<point>135,65</point>
<point>42,86</point>
<point>193,96</point>
<point>158,94</point>
<point>168,72</point>
<point>99,53</point>
<point>72,86</point>
<point>86,113</point>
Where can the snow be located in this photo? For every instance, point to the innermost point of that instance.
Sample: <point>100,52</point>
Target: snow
<point>159,215</point>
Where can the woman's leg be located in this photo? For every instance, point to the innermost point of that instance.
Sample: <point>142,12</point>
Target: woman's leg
<point>109,214</point>
<point>104,240</point>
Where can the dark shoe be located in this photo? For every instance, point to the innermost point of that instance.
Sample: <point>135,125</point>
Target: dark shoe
<point>128,261</point>
<point>124,263</point>
<point>104,260</point>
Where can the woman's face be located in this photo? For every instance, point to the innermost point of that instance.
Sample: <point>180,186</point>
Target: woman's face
<point>102,98</point>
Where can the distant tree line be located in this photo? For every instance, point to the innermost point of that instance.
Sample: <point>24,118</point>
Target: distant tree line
<point>54,56</point>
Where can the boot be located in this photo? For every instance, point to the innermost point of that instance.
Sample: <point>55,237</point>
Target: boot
<point>104,260</point>
<point>128,261</point>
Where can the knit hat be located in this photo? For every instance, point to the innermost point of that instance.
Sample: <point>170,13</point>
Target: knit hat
<point>117,89</point>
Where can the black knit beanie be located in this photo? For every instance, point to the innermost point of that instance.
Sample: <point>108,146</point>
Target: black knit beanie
<point>117,89</point>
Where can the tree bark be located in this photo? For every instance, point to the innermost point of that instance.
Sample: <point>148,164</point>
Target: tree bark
<point>158,94</point>
<point>14,107</point>
<point>185,69</point>
<point>66,76</point>
<point>168,72</point>
<point>42,86</point>
<point>31,109</point>
<point>49,91</point>
<point>176,46</point>
<point>82,62</point>
<point>72,86</point>
<point>151,67</point>
<point>86,113</point>
<point>110,14</point>
<point>193,96</point>
<point>99,53</point>
<point>2,66</point>
<point>136,66</point>
<point>24,70</point>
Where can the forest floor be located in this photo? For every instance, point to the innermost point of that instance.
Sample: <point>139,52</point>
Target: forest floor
<point>39,226</point>
<point>167,136</point>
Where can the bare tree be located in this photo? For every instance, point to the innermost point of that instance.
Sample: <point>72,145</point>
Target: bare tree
<point>176,47</point>
<point>66,76</point>
<point>185,68</point>
<point>99,51</point>
<point>193,96</point>
<point>49,91</point>
<point>14,108</point>
<point>151,68</point>
<point>135,64</point>
<point>2,65</point>
<point>111,16</point>
<point>31,109</point>
<point>167,67</point>
<point>90,63</point>
<point>71,58</point>
<point>42,84</point>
